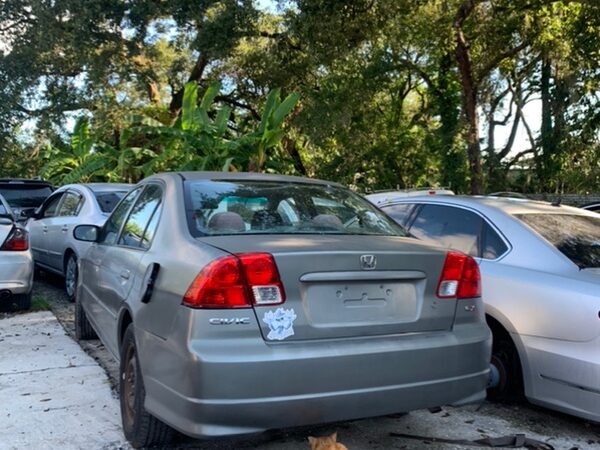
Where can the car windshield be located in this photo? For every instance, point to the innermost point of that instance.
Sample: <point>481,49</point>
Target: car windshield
<point>577,237</point>
<point>25,196</point>
<point>273,207</point>
<point>108,200</point>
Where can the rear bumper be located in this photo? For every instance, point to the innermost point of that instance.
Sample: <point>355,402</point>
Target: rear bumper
<point>16,272</point>
<point>565,375</point>
<point>223,387</point>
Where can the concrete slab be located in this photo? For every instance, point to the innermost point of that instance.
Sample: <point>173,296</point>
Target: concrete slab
<point>52,394</point>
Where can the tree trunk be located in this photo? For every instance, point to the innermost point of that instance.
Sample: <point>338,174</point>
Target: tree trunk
<point>196,75</point>
<point>546,130</point>
<point>469,89</point>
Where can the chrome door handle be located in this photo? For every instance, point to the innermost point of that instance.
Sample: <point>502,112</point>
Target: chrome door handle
<point>65,228</point>
<point>45,229</point>
<point>125,274</point>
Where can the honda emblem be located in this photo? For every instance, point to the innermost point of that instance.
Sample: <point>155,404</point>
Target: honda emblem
<point>368,262</point>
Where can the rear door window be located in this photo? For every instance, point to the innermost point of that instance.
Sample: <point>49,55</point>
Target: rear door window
<point>493,246</point>
<point>115,221</point>
<point>135,232</point>
<point>51,206</point>
<point>449,227</point>
<point>400,212</point>
<point>71,204</point>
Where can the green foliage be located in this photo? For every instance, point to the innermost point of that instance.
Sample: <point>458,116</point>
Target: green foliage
<point>378,101</point>
<point>200,139</point>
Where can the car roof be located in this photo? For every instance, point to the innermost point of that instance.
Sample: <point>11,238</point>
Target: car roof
<point>99,187</point>
<point>17,181</point>
<point>383,197</point>
<point>244,176</point>
<point>507,205</point>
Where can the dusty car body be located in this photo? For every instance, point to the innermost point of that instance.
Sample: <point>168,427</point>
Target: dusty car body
<point>237,303</point>
<point>16,263</point>
<point>540,266</point>
<point>51,227</point>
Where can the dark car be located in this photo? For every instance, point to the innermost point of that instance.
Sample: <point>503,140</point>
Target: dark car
<point>23,194</point>
<point>595,207</point>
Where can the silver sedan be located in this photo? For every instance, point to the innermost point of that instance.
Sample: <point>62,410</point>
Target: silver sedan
<point>540,265</point>
<point>240,302</point>
<point>16,263</point>
<point>51,227</point>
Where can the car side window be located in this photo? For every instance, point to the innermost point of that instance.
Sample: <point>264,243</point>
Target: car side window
<point>136,231</point>
<point>113,224</point>
<point>49,209</point>
<point>493,245</point>
<point>449,227</point>
<point>400,212</point>
<point>71,204</point>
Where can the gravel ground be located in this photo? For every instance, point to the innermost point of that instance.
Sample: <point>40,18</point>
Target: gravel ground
<point>471,422</point>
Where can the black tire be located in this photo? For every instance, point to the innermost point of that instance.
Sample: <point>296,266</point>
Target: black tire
<point>83,327</point>
<point>21,302</point>
<point>140,427</point>
<point>71,277</point>
<point>506,360</point>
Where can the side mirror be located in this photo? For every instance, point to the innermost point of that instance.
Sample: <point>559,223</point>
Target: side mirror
<point>87,233</point>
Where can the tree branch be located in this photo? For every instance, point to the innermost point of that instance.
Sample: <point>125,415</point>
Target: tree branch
<point>498,59</point>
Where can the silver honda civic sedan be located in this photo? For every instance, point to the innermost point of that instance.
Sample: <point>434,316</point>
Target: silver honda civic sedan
<point>51,226</point>
<point>237,303</point>
<point>540,265</point>
<point>16,263</point>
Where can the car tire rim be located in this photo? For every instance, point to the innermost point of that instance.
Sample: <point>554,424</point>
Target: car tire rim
<point>502,372</point>
<point>129,381</point>
<point>71,276</point>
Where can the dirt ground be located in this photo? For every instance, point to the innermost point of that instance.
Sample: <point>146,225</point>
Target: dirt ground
<point>470,423</point>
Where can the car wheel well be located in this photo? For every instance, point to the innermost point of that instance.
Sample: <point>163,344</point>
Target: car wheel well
<point>497,328</point>
<point>506,358</point>
<point>125,321</point>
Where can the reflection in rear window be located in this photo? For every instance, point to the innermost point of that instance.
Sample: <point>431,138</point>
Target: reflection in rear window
<point>577,237</point>
<point>24,195</point>
<point>269,207</point>
<point>108,200</point>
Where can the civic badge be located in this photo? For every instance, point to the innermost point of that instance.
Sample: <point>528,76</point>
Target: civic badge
<point>368,262</point>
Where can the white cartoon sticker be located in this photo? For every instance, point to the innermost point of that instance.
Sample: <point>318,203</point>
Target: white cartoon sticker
<point>280,322</point>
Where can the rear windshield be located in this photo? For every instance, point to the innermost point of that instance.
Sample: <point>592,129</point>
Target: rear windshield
<point>577,237</point>
<point>108,200</point>
<point>23,195</point>
<point>266,207</point>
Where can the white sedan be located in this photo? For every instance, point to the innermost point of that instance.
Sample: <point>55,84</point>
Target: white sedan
<point>540,266</point>
<point>16,263</point>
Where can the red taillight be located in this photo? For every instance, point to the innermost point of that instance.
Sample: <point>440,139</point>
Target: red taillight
<point>16,241</point>
<point>460,277</point>
<point>236,282</point>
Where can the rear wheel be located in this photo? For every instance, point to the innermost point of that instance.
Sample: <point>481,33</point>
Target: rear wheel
<point>140,427</point>
<point>71,277</point>
<point>507,365</point>
<point>83,327</point>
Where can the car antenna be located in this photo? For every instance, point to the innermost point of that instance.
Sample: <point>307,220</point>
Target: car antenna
<point>557,202</point>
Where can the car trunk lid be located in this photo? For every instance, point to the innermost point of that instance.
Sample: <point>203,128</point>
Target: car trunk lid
<point>348,285</point>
